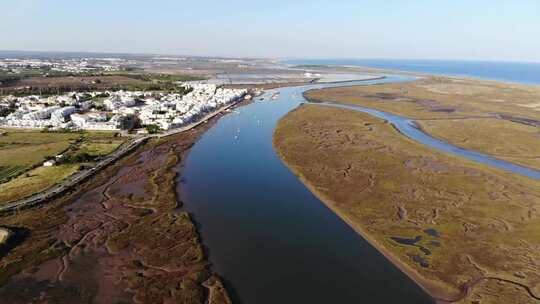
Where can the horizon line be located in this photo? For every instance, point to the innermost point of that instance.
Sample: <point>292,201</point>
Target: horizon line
<point>286,58</point>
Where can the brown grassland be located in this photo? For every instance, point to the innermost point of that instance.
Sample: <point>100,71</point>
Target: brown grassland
<point>491,117</point>
<point>514,142</point>
<point>463,231</point>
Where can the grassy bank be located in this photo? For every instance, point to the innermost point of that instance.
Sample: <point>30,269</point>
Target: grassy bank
<point>490,117</point>
<point>454,226</point>
<point>503,139</point>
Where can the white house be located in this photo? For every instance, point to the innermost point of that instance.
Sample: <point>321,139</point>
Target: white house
<point>49,163</point>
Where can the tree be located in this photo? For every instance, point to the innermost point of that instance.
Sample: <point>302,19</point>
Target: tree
<point>152,129</point>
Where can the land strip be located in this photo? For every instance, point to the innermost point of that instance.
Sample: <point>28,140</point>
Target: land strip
<point>100,81</point>
<point>458,228</point>
<point>494,118</point>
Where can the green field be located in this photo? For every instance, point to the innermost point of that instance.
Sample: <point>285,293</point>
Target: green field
<point>34,181</point>
<point>21,150</point>
<point>99,144</point>
<point>22,153</point>
<point>9,172</point>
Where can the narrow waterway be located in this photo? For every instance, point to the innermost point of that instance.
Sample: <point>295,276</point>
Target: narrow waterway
<point>270,238</point>
<point>410,129</point>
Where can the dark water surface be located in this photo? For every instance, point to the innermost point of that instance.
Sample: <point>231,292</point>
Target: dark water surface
<point>520,72</point>
<point>270,237</point>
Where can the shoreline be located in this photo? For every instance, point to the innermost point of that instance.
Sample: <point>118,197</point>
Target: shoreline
<point>429,286</point>
<point>223,282</point>
<point>229,273</point>
<point>71,181</point>
<point>434,289</point>
<point>396,71</point>
<point>161,206</point>
<point>279,85</point>
<point>438,290</point>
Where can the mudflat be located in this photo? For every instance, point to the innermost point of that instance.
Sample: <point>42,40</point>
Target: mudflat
<point>120,237</point>
<point>465,232</point>
<point>495,118</point>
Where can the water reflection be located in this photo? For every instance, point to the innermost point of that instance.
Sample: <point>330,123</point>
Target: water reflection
<point>267,234</point>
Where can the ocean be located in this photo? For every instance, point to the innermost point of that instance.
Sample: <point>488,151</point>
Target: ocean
<point>519,72</point>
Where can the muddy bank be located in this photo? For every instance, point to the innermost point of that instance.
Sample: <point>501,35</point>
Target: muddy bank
<point>120,237</point>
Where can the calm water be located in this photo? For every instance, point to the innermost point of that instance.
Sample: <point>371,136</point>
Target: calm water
<point>272,239</point>
<point>528,73</point>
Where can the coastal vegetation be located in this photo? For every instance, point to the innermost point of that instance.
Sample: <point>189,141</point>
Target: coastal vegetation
<point>124,222</point>
<point>490,117</point>
<point>504,139</point>
<point>463,231</point>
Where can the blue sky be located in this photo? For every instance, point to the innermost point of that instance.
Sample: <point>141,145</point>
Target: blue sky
<point>457,29</point>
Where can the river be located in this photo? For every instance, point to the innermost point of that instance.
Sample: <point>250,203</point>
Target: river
<point>270,238</point>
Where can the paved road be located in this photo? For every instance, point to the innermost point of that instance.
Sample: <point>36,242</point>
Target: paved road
<point>82,175</point>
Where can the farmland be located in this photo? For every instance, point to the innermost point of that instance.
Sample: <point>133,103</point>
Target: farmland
<point>21,150</point>
<point>22,153</point>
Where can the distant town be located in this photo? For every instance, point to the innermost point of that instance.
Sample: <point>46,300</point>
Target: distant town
<point>75,65</point>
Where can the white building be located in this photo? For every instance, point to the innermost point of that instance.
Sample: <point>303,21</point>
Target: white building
<point>95,121</point>
<point>121,99</point>
<point>61,115</point>
<point>167,110</point>
<point>49,163</point>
